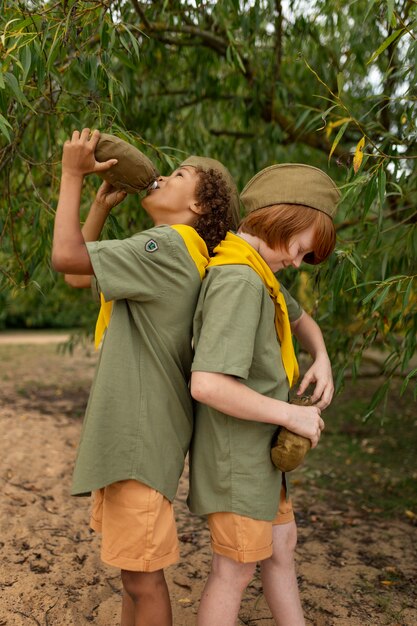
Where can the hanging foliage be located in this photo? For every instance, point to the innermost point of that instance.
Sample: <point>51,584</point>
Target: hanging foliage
<point>326,83</point>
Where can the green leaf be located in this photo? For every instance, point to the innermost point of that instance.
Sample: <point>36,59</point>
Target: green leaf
<point>354,274</point>
<point>26,59</point>
<point>104,35</point>
<point>40,71</point>
<point>377,398</point>
<point>371,295</point>
<point>301,119</point>
<point>369,8</point>
<point>352,260</point>
<point>53,52</point>
<point>14,86</point>
<point>386,43</point>
<point>338,138</point>
<point>407,294</point>
<point>390,11</point>
<point>126,59</point>
<point>340,375</point>
<point>407,379</point>
<point>381,298</point>
<point>340,83</point>
<point>169,161</point>
<point>4,126</point>
<point>133,41</point>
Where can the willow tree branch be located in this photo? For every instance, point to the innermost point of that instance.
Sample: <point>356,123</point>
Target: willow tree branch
<point>269,113</point>
<point>195,34</point>
<point>141,13</point>
<point>210,40</point>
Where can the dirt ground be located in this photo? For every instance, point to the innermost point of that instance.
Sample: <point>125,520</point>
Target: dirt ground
<point>352,570</point>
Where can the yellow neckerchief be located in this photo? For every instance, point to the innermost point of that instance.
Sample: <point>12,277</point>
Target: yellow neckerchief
<point>234,250</point>
<point>196,247</point>
<point>197,250</point>
<point>103,320</point>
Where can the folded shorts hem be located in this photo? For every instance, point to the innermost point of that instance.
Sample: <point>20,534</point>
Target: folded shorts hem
<point>140,565</point>
<point>284,518</point>
<point>243,556</point>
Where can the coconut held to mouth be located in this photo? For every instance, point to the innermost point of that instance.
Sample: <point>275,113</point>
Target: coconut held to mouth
<point>133,172</point>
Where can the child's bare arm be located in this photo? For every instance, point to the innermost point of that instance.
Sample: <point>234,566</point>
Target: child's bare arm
<point>69,252</point>
<point>311,339</point>
<point>228,395</point>
<point>106,198</point>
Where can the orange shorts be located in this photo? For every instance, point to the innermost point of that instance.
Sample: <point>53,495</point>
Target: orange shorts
<point>244,539</point>
<point>137,525</point>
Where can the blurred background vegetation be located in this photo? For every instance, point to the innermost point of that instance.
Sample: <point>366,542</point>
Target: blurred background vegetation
<point>330,83</point>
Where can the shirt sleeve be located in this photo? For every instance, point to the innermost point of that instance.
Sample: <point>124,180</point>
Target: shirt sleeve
<point>137,268</point>
<point>226,323</point>
<point>294,309</point>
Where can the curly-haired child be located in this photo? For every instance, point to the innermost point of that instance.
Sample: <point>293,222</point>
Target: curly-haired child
<point>139,416</point>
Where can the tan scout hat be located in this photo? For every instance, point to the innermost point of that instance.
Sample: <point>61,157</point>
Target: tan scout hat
<point>133,171</point>
<point>207,163</point>
<point>291,183</point>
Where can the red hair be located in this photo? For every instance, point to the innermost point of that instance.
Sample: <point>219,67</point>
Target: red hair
<point>278,224</point>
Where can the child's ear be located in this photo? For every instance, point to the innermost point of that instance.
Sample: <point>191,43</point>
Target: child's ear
<point>196,208</point>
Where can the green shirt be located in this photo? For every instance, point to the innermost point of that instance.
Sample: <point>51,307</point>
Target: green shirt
<point>138,421</point>
<point>234,333</point>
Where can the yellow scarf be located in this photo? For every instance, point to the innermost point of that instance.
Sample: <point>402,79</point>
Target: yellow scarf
<point>103,320</point>
<point>234,250</point>
<point>197,250</point>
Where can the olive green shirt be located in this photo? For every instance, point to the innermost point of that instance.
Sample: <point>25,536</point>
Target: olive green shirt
<point>234,333</point>
<point>138,421</point>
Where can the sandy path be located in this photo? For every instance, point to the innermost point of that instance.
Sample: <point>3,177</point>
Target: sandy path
<point>352,571</point>
<point>29,337</point>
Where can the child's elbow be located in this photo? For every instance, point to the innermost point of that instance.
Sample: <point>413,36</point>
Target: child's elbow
<point>71,280</point>
<point>58,261</point>
<point>201,387</point>
<point>78,281</point>
<point>61,261</point>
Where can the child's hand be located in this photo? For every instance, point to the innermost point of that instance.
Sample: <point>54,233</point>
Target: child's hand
<point>306,421</point>
<point>108,197</point>
<point>78,154</point>
<point>320,374</point>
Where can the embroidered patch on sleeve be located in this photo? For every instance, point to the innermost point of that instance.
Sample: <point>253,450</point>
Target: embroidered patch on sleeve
<point>151,246</point>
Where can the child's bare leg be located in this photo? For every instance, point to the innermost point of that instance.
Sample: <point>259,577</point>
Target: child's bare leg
<point>223,591</point>
<point>279,578</point>
<point>128,610</point>
<point>145,599</point>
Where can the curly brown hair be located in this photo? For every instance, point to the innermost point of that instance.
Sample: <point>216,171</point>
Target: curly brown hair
<point>214,197</point>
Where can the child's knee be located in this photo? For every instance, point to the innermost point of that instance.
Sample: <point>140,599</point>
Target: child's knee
<point>289,536</point>
<point>140,584</point>
<point>284,543</point>
<point>232,572</point>
<point>247,572</point>
<point>241,575</point>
